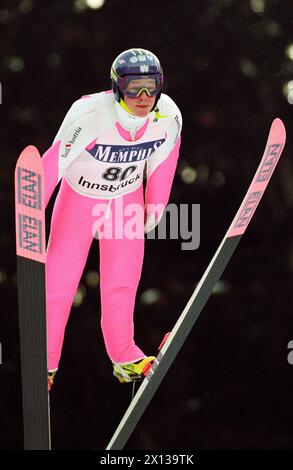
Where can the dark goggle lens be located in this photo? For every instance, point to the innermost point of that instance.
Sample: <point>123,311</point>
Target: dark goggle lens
<point>134,86</point>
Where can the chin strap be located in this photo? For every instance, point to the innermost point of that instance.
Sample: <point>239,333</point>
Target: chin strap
<point>156,111</point>
<point>125,107</point>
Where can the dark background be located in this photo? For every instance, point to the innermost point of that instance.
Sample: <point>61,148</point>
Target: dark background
<point>227,67</point>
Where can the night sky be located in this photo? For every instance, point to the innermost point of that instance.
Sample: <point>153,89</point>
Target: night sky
<point>228,65</point>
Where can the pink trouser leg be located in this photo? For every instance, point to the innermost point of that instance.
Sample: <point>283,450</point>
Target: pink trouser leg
<point>120,271</point>
<point>69,243</point>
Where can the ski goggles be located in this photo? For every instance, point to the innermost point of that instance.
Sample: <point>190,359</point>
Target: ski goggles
<point>133,85</point>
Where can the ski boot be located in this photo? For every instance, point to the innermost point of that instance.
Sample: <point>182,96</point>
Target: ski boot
<point>133,371</point>
<point>51,375</point>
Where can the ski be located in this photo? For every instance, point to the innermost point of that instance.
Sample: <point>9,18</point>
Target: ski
<point>175,340</point>
<point>31,257</point>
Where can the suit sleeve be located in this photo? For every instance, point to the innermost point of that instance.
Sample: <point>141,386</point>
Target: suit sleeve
<point>77,130</point>
<point>50,164</point>
<point>161,168</point>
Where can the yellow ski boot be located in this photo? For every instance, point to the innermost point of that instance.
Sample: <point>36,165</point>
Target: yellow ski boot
<point>133,371</point>
<point>51,375</point>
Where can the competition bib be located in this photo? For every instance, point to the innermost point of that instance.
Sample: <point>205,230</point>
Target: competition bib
<point>108,171</point>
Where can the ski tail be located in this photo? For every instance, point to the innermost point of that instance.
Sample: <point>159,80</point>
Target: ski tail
<point>31,256</point>
<point>174,342</point>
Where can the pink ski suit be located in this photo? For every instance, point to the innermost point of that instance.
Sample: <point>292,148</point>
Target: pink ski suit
<point>101,153</point>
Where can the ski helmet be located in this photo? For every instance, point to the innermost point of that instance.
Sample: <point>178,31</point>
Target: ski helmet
<point>133,64</point>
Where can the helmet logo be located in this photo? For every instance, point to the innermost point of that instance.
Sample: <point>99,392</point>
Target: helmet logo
<point>139,58</point>
<point>144,68</point>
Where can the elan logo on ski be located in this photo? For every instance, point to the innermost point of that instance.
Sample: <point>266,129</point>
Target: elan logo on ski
<point>29,202</point>
<point>272,153</point>
<point>262,177</point>
<point>30,188</point>
<point>30,234</point>
<point>268,166</point>
<point>29,195</point>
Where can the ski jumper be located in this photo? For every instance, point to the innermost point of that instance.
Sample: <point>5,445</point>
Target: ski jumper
<point>101,154</point>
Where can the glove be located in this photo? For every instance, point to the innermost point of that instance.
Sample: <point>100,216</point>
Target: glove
<point>151,222</point>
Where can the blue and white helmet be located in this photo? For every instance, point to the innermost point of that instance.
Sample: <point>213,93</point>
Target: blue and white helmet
<point>135,63</point>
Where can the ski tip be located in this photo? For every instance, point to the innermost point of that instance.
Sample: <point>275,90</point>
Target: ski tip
<point>29,157</point>
<point>30,150</point>
<point>279,127</point>
<point>278,121</point>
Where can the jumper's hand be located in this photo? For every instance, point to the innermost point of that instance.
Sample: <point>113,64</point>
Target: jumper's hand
<point>150,223</point>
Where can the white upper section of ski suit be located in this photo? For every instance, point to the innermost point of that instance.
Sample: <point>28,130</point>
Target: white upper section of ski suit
<point>92,143</point>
